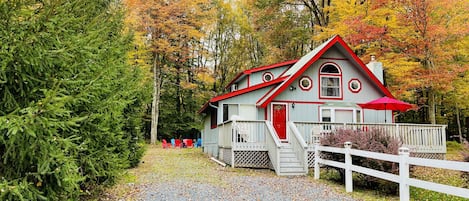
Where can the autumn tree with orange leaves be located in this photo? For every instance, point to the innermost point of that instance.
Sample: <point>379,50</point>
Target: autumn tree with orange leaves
<point>419,43</point>
<point>172,31</point>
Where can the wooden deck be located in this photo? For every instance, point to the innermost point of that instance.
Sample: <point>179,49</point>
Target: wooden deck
<point>255,143</point>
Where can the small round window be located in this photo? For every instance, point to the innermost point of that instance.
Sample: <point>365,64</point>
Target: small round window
<point>355,85</point>
<point>268,76</point>
<point>306,83</point>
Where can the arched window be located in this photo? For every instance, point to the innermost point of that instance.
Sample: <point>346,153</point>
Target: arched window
<point>331,81</point>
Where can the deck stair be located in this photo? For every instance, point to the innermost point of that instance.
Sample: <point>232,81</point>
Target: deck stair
<point>290,164</point>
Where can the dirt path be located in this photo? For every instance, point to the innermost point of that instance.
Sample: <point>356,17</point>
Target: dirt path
<point>188,174</point>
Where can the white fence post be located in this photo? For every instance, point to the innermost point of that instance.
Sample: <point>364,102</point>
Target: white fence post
<point>316,159</point>
<point>348,167</point>
<point>404,194</point>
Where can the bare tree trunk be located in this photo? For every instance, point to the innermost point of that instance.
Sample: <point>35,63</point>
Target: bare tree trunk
<point>156,100</point>
<point>459,124</point>
<point>432,107</point>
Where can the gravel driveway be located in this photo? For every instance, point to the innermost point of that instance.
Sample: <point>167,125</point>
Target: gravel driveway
<point>188,174</point>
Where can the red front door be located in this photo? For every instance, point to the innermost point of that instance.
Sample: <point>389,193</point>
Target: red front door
<point>279,119</point>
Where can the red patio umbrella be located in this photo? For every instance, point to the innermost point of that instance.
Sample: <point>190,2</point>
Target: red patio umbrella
<point>386,103</point>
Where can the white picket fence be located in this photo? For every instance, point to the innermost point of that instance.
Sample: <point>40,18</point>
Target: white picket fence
<point>404,162</point>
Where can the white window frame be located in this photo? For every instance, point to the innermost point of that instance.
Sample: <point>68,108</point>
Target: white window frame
<point>350,83</point>
<point>326,75</point>
<point>333,109</point>
<point>264,77</point>
<point>300,83</point>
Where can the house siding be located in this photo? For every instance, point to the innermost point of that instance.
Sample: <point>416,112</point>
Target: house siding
<point>248,100</point>
<point>256,78</point>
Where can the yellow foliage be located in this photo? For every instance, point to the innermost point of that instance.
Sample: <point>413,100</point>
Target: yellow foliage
<point>206,78</point>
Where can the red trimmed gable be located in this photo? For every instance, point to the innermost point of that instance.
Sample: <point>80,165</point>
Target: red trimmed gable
<point>246,90</point>
<point>264,101</point>
<point>261,68</point>
<point>240,92</point>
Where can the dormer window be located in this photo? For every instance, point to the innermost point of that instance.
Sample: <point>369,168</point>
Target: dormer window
<point>267,77</point>
<point>234,87</point>
<point>331,81</point>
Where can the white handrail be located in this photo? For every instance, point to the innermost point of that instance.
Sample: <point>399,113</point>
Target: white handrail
<point>299,146</point>
<point>420,138</point>
<point>273,146</point>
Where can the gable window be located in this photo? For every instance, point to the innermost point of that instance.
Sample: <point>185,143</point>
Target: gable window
<point>331,79</point>
<point>354,85</point>
<point>306,83</point>
<point>267,76</point>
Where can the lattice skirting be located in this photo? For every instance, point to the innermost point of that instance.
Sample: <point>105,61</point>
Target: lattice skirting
<point>310,159</point>
<point>439,156</point>
<point>225,155</point>
<point>254,159</point>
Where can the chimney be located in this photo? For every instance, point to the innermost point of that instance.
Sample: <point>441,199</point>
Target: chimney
<point>376,68</point>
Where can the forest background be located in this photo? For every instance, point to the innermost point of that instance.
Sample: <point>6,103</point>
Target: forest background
<point>195,47</point>
<point>83,83</point>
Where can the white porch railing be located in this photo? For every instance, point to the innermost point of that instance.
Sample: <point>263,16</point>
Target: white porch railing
<point>299,145</point>
<point>273,147</point>
<point>403,178</point>
<point>419,138</point>
<point>243,135</point>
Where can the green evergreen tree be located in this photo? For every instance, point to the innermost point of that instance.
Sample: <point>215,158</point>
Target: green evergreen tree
<point>70,104</point>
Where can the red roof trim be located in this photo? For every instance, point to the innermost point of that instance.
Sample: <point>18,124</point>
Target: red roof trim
<point>261,68</point>
<point>271,66</point>
<point>204,107</point>
<point>246,90</point>
<point>236,78</point>
<point>368,72</point>
<point>300,71</point>
<point>336,39</point>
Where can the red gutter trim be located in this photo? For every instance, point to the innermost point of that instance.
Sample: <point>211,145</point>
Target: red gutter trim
<point>236,78</point>
<point>300,71</point>
<point>246,90</point>
<point>271,66</point>
<point>203,108</point>
<point>363,66</point>
<point>269,91</point>
<point>261,68</point>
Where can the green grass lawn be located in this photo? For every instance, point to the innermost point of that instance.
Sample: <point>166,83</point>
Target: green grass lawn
<point>442,176</point>
<point>163,165</point>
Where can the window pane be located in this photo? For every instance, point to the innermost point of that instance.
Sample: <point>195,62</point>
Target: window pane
<point>330,86</point>
<point>225,112</point>
<point>329,69</point>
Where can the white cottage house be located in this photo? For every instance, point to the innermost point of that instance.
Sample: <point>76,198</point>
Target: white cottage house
<point>273,113</point>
